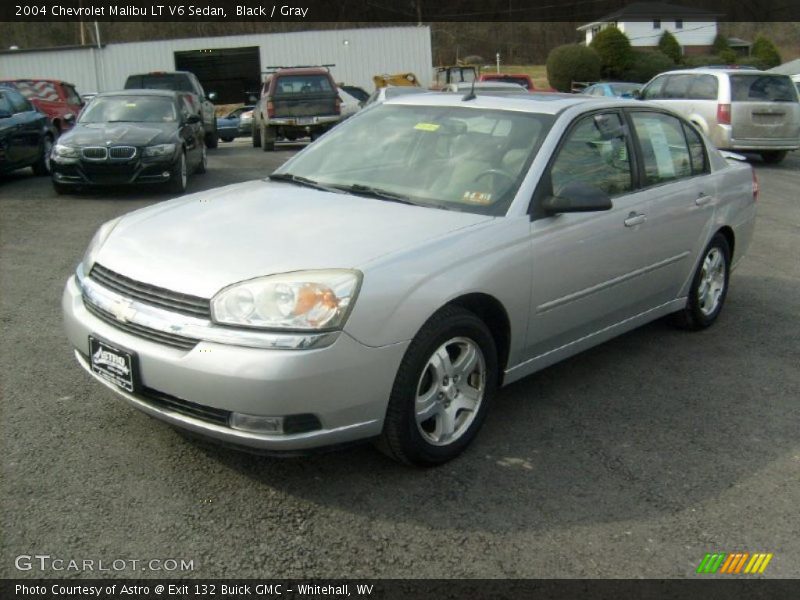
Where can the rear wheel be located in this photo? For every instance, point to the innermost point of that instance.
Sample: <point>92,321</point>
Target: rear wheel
<point>203,164</point>
<point>268,136</point>
<point>212,138</point>
<point>709,287</point>
<point>42,166</point>
<point>773,157</point>
<point>442,389</point>
<point>256,136</point>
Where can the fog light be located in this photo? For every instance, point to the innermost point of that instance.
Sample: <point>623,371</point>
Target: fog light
<point>255,423</point>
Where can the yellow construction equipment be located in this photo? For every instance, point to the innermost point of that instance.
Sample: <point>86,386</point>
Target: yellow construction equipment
<point>396,79</point>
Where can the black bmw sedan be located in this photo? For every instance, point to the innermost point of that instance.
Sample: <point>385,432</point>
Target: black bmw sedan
<point>131,137</point>
<point>26,135</point>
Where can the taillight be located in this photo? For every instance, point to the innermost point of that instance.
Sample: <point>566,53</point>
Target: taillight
<point>337,106</point>
<point>755,184</point>
<point>270,109</point>
<point>724,114</point>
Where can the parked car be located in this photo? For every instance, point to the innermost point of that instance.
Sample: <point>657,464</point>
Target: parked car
<point>739,109</point>
<point>131,137</point>
<point>386,280</point>
<point>485,87</point>
<point>382,94</point>
<point>295,102</point>
<point>187,83</point>
<point>231,126</point>
<point>26,135</point>
<point>612,89</point>
<point>516,78</point>
<point>56,99</point>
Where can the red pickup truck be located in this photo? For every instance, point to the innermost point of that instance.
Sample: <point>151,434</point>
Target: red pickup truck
<point>56,99</point>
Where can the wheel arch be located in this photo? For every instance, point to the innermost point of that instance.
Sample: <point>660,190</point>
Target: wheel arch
<point>729,236</point>
<point>492,312</point>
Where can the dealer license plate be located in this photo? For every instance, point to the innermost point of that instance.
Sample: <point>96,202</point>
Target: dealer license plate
<point>305,121</point>
<point>113,364</point>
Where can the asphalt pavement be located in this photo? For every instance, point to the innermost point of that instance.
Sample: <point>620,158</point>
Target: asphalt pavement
<point>632,459</point>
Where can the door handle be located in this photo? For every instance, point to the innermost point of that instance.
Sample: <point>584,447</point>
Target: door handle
<point>702,199</point>
<point>635,219</point>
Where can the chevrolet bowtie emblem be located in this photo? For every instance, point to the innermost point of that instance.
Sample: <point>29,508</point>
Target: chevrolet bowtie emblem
<point>123,310</point>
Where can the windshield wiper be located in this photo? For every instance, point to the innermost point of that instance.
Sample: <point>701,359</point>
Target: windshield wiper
<point>300,180</point>
<point>374,192</point>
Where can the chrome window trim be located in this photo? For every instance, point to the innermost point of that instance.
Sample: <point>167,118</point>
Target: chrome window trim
<point>202,330</point>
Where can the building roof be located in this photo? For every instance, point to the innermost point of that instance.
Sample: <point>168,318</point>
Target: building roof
<point>644,11</point>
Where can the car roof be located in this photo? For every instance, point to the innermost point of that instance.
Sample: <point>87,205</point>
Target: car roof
<point>714,71</point>
<point>144,92</point>
<point>546,103</point>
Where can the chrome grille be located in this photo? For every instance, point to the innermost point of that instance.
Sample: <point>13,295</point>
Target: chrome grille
<point>94,153</point>
<point>193,306</point>
<point>122,151</point>
<point>170,339</point>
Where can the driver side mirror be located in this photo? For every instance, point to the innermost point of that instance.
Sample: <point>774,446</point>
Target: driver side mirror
<point>577,196</point>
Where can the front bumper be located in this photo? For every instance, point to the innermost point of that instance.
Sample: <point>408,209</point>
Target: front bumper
<point>345,385</point>
<point>114,172</point>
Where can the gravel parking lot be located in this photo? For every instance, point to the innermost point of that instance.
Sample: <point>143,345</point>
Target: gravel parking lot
<point>633,459</point>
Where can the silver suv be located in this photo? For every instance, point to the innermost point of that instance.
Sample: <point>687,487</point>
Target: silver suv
<point>738,109</point>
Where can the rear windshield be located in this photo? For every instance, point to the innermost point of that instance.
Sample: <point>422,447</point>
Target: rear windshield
<point>762,88</point>
<point>302,84</point>
<point>177,83</point>
<point>43,90</point>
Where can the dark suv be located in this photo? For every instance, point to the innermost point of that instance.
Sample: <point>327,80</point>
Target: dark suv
<point>182,81</point>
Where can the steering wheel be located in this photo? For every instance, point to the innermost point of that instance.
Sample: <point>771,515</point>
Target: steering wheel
<point>492,173</point>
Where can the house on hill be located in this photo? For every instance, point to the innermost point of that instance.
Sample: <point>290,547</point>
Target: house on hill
<point>645,22</point>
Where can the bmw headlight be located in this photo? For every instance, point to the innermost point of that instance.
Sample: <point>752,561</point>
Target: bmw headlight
<point>159,150</point>
<point>62,151</point>
<point>97,242</point>
<point>304,300</point>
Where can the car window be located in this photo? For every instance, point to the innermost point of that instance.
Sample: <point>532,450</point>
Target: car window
<point>762,88</point>
<point>677,86</point>
<point>664,151</point>
<point>697,150</point>
<point>302,84</point>
<point>5,105</point>
<point>596,91</point>
<point>704,87</point>
<point>19,103</point>
<point>655,89</point>
<point>72,96</point>
<point>595,151</point>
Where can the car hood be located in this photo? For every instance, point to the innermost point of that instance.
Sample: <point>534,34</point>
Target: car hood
<point>135,134</point>
<point>201,243</point>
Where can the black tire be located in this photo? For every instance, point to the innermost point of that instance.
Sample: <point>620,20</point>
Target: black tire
<point>61,189</point>
<point>256,136</point>
<point>202,166</point>
<point>226,139</point>
<point>402,438</point>
<point>268,136</point>
<point>696,315</point>
<point>180,176</point>
<point>773,157</point>
<point>42,166</point>
<point>212,140</point>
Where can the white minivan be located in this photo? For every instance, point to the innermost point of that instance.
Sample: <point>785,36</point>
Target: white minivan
<point>739,109</point>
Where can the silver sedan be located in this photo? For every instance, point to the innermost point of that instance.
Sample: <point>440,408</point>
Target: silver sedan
<point>388,279</point>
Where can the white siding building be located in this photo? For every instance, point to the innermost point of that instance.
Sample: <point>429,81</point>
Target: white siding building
<point>357,53</point>
<point>645,22</point>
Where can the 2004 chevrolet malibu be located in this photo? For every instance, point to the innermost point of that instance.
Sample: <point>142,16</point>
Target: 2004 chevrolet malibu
<point>385,281</point>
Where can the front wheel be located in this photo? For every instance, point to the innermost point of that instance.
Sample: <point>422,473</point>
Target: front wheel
<point>773,157</point>
<point>180,176</point>
<point>709,287</point>
<point>268,137</point>
<point>442,390</point>
<point>42,166</point>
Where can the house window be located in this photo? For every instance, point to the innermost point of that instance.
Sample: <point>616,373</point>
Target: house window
<point>656,23</point>
<point>678,23</point>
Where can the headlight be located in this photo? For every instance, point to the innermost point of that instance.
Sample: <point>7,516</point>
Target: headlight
<point>159,150</point>
<point>62,151</point>
<point>97,242</point>
<point>304,300</point>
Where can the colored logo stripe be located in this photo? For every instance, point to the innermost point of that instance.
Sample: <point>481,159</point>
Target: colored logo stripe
<point>734,563</point>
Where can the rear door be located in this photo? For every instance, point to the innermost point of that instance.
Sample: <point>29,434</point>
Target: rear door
<point>764,107</point>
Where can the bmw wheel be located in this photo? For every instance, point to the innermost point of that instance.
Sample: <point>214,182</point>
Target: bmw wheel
<point>180,176</point>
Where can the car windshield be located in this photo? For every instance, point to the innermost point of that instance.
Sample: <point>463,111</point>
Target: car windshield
<point>447,157</point>
<point>130,109</point>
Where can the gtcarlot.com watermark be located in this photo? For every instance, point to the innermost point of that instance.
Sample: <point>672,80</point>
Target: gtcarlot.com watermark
<point>50,563</point>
